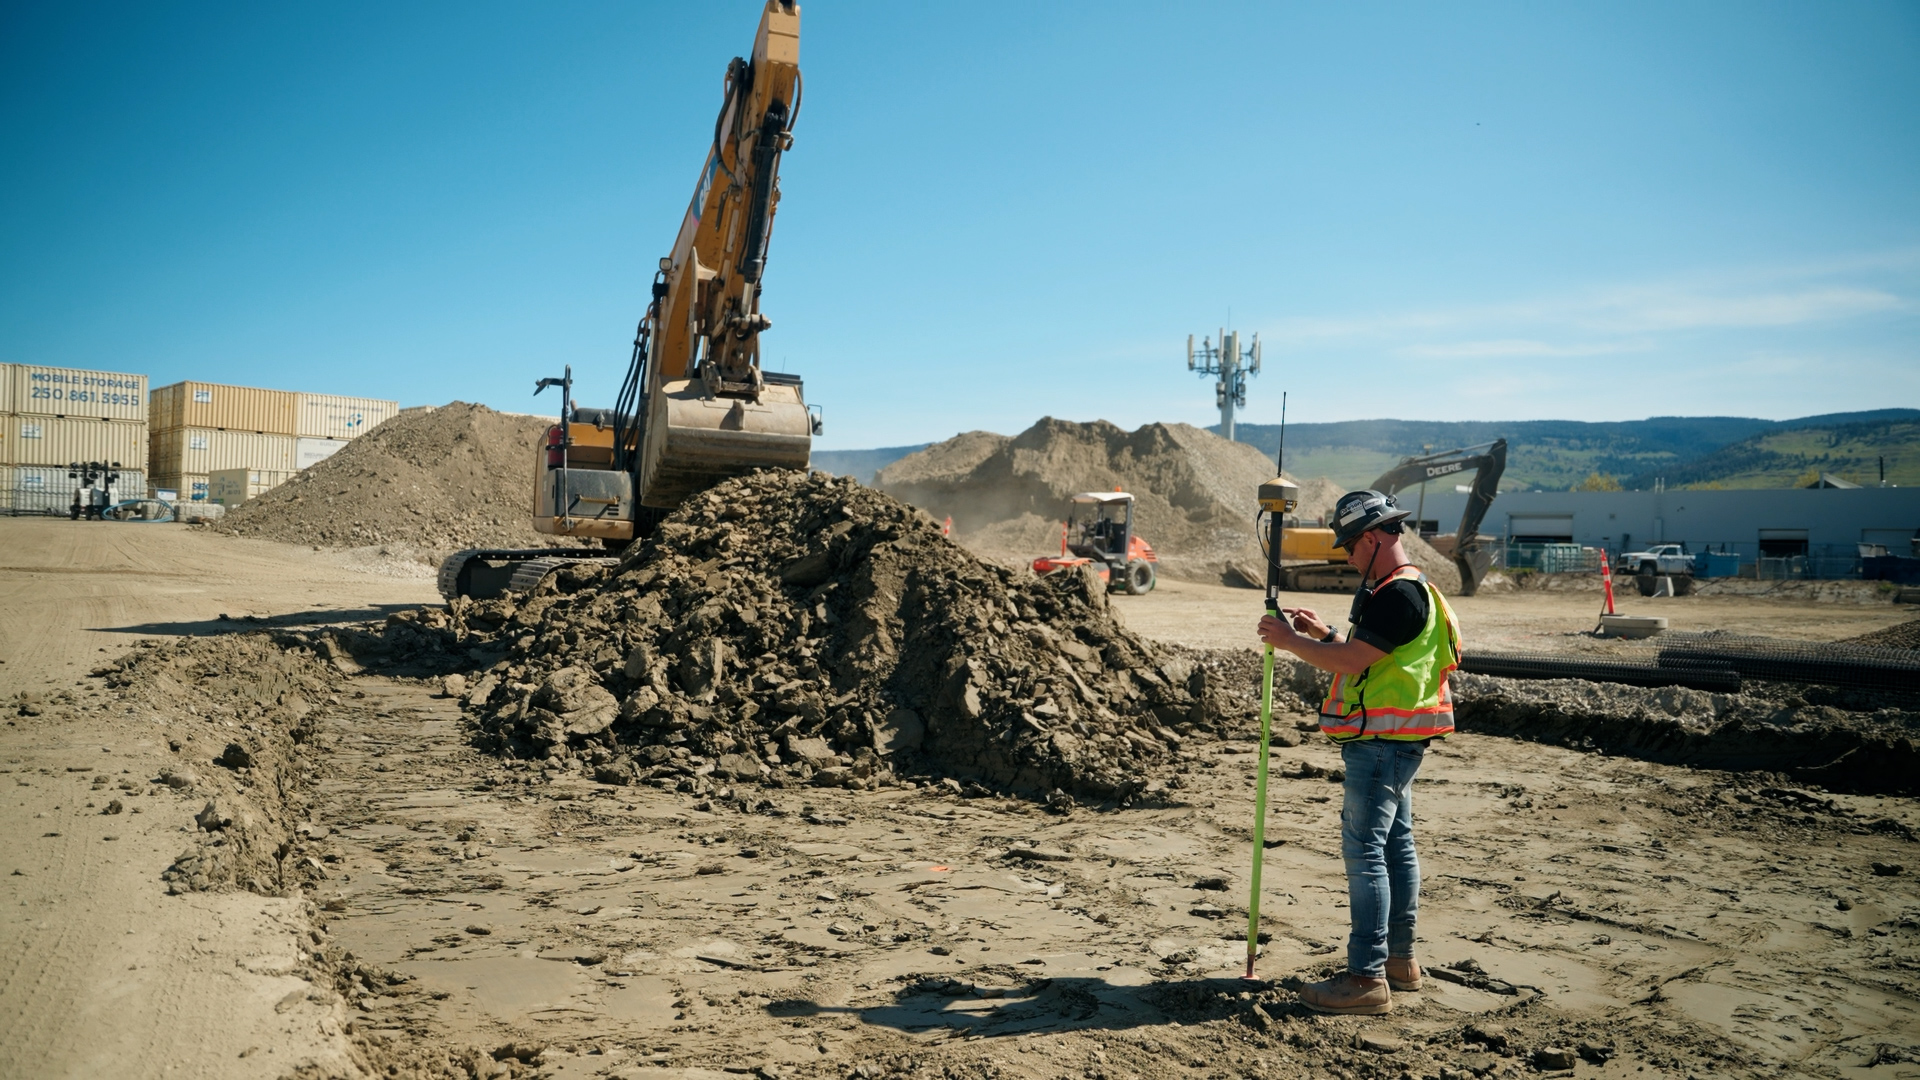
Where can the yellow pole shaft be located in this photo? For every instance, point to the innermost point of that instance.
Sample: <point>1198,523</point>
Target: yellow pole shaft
<point>1260,809</point>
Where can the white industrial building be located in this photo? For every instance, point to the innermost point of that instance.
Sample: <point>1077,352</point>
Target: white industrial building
<point>1769,523</point>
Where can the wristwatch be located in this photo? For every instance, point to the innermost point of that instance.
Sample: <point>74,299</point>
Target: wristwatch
<point>1331,635</point>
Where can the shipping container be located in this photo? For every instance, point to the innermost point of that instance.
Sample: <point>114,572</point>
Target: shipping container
<point>187,487</point>
<point>34,489</point>
<point>231,487</point>
<point>6,390</point>
<point>231,408</point>
<point>310,452</point>
<point>205,450</point>
<point>330,416</point>
<point>57,391</point>
<point>60,440</point>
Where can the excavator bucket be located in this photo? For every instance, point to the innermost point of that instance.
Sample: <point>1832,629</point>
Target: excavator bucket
<point>696,439</point>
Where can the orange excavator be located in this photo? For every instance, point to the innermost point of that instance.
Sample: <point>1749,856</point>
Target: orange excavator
<point>695,407</point>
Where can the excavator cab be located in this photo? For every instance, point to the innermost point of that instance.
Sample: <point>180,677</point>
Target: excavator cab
<point>1099,533</point>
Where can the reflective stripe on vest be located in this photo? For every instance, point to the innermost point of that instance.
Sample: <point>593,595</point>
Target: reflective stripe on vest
<point>1404,694</point>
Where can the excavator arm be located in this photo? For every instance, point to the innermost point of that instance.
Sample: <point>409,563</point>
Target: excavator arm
<point>695,407</point>
<point>1489,461</point>
<point>708,410</point>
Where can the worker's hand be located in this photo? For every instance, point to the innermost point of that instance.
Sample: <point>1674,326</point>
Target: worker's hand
<point>1307,621</point>
<point>1275,632</point>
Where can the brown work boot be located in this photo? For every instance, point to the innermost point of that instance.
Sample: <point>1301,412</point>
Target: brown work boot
<point>1349,995</point>
<point>1403,973</point>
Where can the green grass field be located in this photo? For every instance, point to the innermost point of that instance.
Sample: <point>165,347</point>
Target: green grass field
<point>1790,458</point>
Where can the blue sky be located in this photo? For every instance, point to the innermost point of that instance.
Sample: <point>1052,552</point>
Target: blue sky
<point>1476,211</point>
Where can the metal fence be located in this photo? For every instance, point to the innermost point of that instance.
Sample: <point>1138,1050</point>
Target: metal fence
<point>1808,567</point>
<point>35,502</point>
<point>1550,558</point>
<point>1823,562</point>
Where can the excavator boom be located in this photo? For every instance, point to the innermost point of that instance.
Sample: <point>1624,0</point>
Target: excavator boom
<point>1488,461</point>
<point>695,407</point>
<point>1325,566</point>
<point>709,411</point>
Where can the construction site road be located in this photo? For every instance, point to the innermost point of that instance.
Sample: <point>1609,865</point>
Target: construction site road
<point>101,972</point>
<point>1590,912</point>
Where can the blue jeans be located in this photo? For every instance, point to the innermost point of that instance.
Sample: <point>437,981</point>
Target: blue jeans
<point>1376,840</point>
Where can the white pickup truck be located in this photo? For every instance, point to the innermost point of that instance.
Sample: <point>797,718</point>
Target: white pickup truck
<point>1659,559</point>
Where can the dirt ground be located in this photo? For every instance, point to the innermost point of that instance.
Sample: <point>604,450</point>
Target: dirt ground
<point>472,914</point>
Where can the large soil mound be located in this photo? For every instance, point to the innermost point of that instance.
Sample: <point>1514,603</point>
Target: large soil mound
<point>797,628</point>
<point>1195,493</point>
<point>455,477</point>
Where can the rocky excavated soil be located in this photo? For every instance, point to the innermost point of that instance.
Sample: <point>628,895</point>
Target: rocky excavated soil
<point>243,705</point>
<point>454,477</point>
<point>1904,636</point>
<point>1194,493</point>
<point>1838,739</point>
<point>800,629</point>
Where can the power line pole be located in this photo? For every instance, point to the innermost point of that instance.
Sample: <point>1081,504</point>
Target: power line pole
<point>1232,365</point>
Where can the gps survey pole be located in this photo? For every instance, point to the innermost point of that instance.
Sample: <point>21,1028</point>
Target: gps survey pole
<point>1277,499</point>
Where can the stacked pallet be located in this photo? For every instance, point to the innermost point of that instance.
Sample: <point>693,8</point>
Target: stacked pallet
<point>54,420</point>
<point>227,444</point>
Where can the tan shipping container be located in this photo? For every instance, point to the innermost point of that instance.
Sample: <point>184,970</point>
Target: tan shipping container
<point>206,450</point>
<point>37,390</point>
<point>331,416</point>
<point>230,408</point>
<point>60,440</point>
<point>6,389</point>
<point>186,487</point>
<point>231,487</point>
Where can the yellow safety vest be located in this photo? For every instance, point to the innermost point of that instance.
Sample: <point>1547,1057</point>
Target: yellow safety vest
<point>1403,695</point>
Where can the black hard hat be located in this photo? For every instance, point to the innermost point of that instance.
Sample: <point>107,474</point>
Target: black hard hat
<point>1358,511</point>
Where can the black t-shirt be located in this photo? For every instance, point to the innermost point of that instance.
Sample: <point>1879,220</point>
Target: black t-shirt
<point>1394,616</point>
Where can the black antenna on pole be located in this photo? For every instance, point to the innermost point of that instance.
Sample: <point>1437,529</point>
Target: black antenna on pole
<point>1280,460</point>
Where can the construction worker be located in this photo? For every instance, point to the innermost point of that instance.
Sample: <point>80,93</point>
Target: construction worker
<point>1389,698</point>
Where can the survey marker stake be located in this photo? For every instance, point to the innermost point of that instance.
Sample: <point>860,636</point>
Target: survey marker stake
<point>1276,498</point>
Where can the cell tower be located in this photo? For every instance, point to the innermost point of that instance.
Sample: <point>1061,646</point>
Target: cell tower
<point>1232,365</point>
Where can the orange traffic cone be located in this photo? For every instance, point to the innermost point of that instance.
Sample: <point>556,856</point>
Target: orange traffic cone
<point>1606,583</point>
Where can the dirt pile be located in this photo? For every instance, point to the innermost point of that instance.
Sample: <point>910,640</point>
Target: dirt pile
<point>455,477</point>
<point>1904,636</point>
<point>242,706</point>
<point>1194,492</point>
<point>798,628</point>
<point>1838,739</point>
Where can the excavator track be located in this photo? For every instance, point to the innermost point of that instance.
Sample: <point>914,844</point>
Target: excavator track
<point>528,575</point>
<point>482,573</point>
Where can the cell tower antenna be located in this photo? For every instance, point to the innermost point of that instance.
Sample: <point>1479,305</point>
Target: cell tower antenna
<point>1230,363</point>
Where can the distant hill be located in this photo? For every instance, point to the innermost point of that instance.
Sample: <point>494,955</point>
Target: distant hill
<point>861,464</point>
<point>1795,453</point>
<point>1559,454</point>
